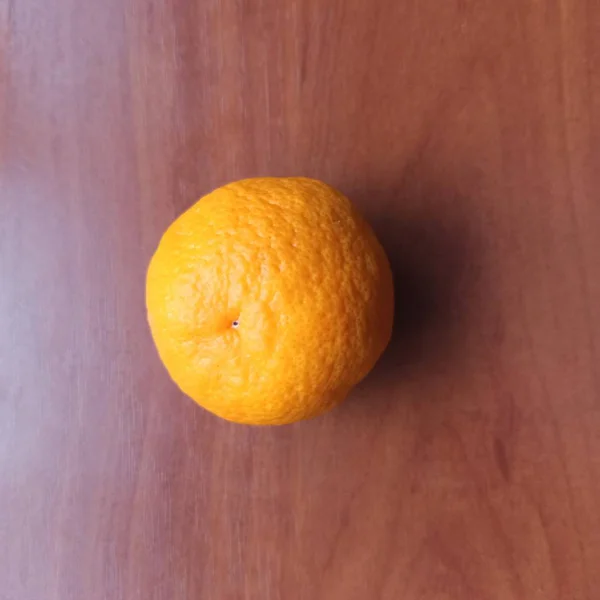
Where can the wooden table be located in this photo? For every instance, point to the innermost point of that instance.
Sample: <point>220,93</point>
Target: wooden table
<point>468,465</point>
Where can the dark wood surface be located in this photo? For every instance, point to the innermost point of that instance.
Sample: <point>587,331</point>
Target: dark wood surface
<point>468,465</point>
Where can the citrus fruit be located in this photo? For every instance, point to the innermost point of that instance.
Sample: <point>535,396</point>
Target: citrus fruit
<point>269,299</point>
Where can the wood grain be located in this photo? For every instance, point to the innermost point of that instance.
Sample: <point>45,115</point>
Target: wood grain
<point>468,465</point>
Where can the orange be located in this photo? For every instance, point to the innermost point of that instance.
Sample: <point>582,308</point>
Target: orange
<point>269,299</point>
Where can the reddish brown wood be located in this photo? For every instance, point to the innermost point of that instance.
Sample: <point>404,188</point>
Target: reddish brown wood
<point>468,465</point>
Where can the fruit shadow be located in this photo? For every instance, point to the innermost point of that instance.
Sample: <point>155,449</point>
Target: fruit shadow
<point>434,258</point>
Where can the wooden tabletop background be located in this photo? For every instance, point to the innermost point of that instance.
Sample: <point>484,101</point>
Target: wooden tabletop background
<point>467,466</point>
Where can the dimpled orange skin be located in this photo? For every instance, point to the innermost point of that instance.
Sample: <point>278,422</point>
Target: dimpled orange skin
<point>269,299</point>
